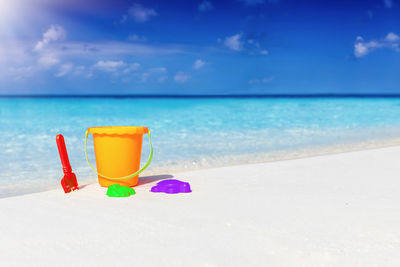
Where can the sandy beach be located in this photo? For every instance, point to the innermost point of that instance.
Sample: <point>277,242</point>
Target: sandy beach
<point>332,210</point>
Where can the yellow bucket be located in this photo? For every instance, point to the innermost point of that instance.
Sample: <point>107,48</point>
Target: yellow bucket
<point>118,150</point>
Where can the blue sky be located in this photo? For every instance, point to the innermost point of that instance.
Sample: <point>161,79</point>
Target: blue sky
<point>199,47</point>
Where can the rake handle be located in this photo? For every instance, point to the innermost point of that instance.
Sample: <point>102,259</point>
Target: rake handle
<point>63,154</point>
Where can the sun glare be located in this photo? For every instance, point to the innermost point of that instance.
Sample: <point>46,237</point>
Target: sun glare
<point>6,9</point>
<point>8,16</point>
<point>10,12</point>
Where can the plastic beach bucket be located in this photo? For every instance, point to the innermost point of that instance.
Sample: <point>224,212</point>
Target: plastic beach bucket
<point>117,150</point>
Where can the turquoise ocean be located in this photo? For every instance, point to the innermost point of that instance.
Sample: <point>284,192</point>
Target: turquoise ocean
<point>187,132</point>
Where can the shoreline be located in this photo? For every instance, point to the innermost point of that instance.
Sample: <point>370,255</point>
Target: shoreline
<point>282,155</point>
<point>239,160</point>
<point>332,210</point>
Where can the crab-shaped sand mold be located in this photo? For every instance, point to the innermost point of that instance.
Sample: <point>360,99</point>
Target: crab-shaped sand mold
<point>171,186</point>
<point>117,190</point>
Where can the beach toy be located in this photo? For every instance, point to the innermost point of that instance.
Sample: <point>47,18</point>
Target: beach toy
<point>117,151</point>
<point>171,186</point>
<point>68,182</point>
<point>117,190</point>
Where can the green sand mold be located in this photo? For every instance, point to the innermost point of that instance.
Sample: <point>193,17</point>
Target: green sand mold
<point>117,190</point>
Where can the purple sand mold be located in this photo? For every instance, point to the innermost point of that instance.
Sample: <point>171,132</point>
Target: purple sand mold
<point>171,186</point>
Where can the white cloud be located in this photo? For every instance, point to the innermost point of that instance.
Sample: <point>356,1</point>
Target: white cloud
<point>392,37</point>
<point>112,49</point>
<point>181,77</point>
<point>388,3</point>
<point>362,47</point>
<point>154,74</point>
<point>132,67</point>
<point>239,43</point>
<point>264,80</point>
<point>205,6</point>
<point>83,71</point>
<point>19,73</point>
<point>140,13</point>
<point>253,42</point>
<point>48,61</point>
<point>18,61</point>
<point>17,55</point>
<point>109,65</point>
<point>64,69</point>
<point>54,33</point>
<point>198,64</point>
<point>252,2</point>
<point>233,42</point>
<point>254,48</point>
<point>137,38</point>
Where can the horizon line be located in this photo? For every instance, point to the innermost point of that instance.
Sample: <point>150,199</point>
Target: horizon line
<point>327,95</point>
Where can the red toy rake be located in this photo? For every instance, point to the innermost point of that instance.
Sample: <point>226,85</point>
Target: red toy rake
<point>68,182</point>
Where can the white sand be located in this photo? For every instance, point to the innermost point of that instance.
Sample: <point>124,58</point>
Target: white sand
<point>335,210</point>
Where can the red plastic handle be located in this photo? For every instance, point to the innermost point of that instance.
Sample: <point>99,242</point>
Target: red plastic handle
<point>63,154</point>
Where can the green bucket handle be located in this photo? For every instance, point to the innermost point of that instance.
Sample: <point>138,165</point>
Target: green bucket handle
<point>125,177</point>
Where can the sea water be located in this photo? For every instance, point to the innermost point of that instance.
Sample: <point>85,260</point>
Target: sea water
<point>187,133</point>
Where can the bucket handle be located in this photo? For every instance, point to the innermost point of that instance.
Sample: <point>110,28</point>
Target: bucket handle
<point>125,177</point>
